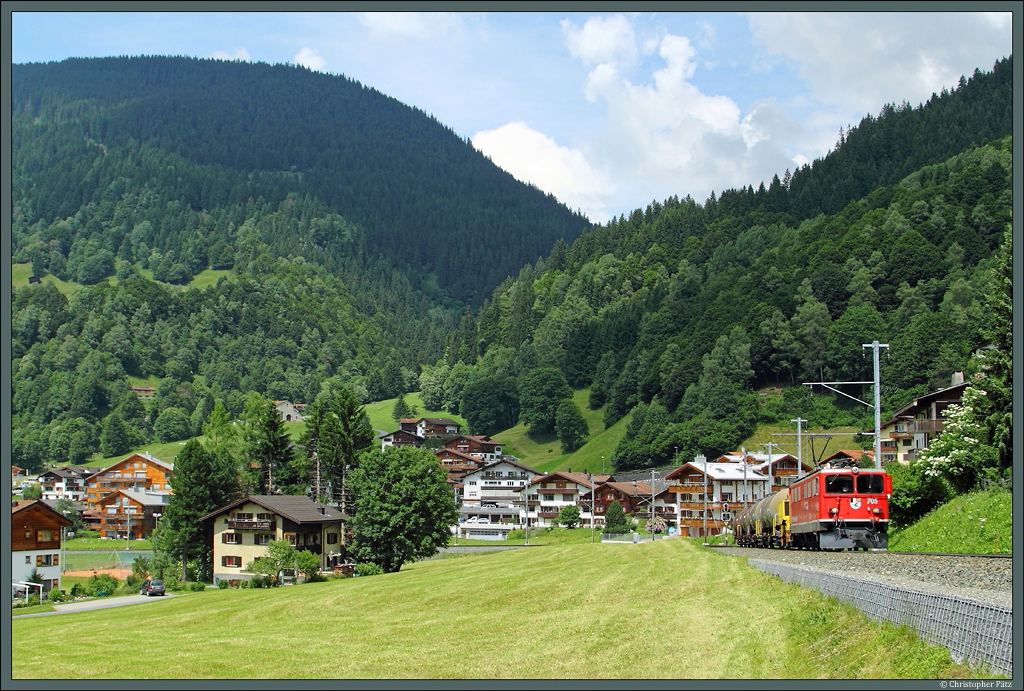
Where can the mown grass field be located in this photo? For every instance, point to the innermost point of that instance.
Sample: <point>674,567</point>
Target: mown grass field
<point>667,609</point>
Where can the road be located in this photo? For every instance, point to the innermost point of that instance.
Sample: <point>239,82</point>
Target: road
<point>98,603</point>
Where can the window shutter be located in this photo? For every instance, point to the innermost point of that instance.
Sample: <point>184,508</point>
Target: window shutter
<point>56,560</point>
<point>39,560</point>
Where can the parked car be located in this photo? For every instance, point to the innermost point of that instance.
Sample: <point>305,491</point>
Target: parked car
<point>153,587</point>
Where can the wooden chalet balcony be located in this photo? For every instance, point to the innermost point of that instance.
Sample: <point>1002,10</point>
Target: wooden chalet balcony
<point>547,513</point>
<point>252,525</point>
<point>687,489</point>
<point>901,434</point>
<point>699,523</point>
<point>502,495</point>
<point>933,426</point>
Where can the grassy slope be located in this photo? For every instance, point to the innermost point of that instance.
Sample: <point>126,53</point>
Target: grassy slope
<point>976,523</point>
<point>561,612</point>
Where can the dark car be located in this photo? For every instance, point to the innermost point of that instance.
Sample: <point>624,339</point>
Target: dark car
<point>154,587</point>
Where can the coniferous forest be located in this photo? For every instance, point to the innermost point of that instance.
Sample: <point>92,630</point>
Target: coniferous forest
<point>364,244</point>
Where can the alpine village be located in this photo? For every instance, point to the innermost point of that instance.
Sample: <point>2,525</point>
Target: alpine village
<point>257,345</point>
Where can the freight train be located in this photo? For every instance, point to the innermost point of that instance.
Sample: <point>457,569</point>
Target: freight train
<point>838,506</point>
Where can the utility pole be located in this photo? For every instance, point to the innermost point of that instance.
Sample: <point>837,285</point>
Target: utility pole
<point>875,346</point>
<point>651,526</point>
<point>701,458</point>
<point>799,447</point>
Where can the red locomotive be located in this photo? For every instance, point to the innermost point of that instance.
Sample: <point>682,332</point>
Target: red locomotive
<point>838,506</point>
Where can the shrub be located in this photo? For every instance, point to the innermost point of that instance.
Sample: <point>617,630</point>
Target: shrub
<point>172,583</point>
<point>915,492</point>
<point>223,584</point>
<point>77,590</point>
<point>315,578</point>
<point>101,585</point>
<point>368,569</point>
<point>57,595</point>
<point>197,587</point>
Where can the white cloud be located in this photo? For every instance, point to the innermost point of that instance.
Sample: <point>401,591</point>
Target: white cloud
<point>239,54</point>
<point>601,40</point>
<point>860,61</point>
<point>416,25</point>
<point>533,157</point>
<point>307,57</point>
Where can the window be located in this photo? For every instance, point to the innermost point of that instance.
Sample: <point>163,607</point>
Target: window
<point>28,534</point>
<point>28,559</point>
<point>332,538</point>
<point>549,497</point>
<point>726,496</point>
<point>838,484</point>
<point>262,539</point>
<point>472,482</point>
<point>235,562</point>
<point>908,442</point>
<point>44,535</point>
<point>291,538</point>
<point>243,516</point>
<point>231,538</point>
<point>264,517</point>
<point>568,497</point>
<point>869,484</point>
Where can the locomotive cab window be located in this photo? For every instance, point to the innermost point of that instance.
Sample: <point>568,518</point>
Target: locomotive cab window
<point>869,484</point>
<point>838,484</point>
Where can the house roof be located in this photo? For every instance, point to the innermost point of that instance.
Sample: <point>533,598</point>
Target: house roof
<point>578,478</point>
<point>459,454</point>
<point>26,504</point>
<point>513,463</point>
<point>723,472</point>
<point>855,454</point>
<point>297,509</point>
<point>167,467</point>
<point>438,421</point>
<point>949,395</point>
<point>404,432</point>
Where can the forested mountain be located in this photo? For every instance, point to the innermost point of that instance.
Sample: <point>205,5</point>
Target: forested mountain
<point>680,311</point>
<point>207,135</point>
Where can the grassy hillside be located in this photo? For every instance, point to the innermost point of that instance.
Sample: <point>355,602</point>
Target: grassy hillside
<point>544,452</point>
<point>561,610</point>
<point>976,523</point>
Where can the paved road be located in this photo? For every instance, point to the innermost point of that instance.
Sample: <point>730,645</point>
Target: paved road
<point>98,603</point>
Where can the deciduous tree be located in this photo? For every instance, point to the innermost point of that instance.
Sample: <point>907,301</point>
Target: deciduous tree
<point>404,507</point>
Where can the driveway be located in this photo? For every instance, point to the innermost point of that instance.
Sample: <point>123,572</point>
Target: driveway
<point>98,603</point>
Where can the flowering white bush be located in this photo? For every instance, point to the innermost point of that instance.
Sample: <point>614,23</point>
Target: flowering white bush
<point>960,452</point>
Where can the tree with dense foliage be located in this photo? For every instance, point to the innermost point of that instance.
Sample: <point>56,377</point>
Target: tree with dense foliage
<point>202,482</point>
<point>267,444</point>
<point>998,380</point>
<point>33,491</point>
<point>404,507</point>
<point>337,432</point>
<point>569,516</point>
<point>615,520</point>
<point>540,393</point>
<point>490,404</point>
<point>570,425</point>
<point>401,409</point>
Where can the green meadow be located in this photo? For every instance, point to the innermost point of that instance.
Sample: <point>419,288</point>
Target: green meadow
<point>668,609</point>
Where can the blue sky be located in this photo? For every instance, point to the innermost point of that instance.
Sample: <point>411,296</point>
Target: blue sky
<point>607,111</point>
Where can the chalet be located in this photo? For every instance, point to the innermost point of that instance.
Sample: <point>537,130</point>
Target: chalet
<point>482,447</point>
<point>720,488</point>
<point>785,467</point>
<point>408,424</point>
<point>144,391</point>
<point>63,483</point>
<point>400,437</point>
<point>36,535</point>
<point>431,427</point>
<point>549,494</point>
<point>492,500</point>
<point>290,411</point>
<point>127,514</point>
<point>456,464</point>
<point>243,528</point>
<point>634,497</point>
<point>138,472</point>
<point>914,426</point>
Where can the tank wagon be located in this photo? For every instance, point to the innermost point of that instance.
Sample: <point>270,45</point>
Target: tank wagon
<point>838,506</point>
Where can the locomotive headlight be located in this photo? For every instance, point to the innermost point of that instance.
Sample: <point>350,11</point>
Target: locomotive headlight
<point>833,511</point>
<point>877,511</point>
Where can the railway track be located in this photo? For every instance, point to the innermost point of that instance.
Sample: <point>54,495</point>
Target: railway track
<point>984,576</point>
